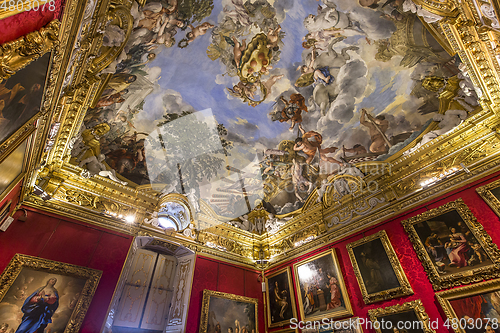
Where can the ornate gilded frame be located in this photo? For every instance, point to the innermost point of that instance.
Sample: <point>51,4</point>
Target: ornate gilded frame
<point>92,276</point>
<point>415,305</point>
<point>488,196</point>
<point>291,296</point>
<point>348,308</point>
<point>456,279</point>
<point>403,290</point>
<point>444,298</point>
<point>16,55</point>
<point>207,294</point>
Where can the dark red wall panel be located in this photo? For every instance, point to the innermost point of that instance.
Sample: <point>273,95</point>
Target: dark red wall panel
<point>51,237</point>
<point>220,276</point>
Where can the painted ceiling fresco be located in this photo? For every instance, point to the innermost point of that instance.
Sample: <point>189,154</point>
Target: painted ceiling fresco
<point>239,103</point>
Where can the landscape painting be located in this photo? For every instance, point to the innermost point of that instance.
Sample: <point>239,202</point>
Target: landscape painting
<point>246,103</point>
<point>222,312</point>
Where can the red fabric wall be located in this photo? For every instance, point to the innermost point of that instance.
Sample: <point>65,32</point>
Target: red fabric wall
<point>406,254</point>
<point>56,238</point>
<point>217,275</point>
<point>21,24</point>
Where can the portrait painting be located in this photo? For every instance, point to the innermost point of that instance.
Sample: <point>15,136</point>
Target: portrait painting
<point>377,268</point>
<point>280,298</point>
<point>453,246</point>
<point>11,168</point>
<point>476,308</point>
<point>39,295</point>
<point>410,312</point>
<point>320,287</point>
<point>21,96</point>
<point>491,194</point>
<point>222,312</point>
<point>279,97</point>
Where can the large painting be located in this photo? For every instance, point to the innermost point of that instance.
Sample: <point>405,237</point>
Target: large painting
<point>377,268</point>
<point>21,96</point>
<point>241,102</point>
<point>222,312</point>
<point>408,317</point>
<point>453,246</point>
<point>474,308</point>
<point>280,298</point>
<point>321,289</point>
<point>39,295</point>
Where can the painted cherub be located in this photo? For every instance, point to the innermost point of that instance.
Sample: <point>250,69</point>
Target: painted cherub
<point>198,31</point>
<point>273,37</point>
<point>238,50</point>
<point>310,74</point>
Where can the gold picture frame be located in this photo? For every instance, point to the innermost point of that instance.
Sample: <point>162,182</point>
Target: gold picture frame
<point>402,313</point>
<point>311,270</point>
<point>223,301</point>
<point>29,272</point>
<point>482,292</point>
<point>456,267</point>
<point>491,193</point>
<point>391,284</point>
<point>289,311</point>
<point>338,326</point>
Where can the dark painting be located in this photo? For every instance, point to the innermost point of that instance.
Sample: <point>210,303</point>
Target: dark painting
<point>450,244</point>
<point>226,315</point>
<point>375,267</point>
<point>405,318</point>
<point>21,96</point>
<point>281,304</point>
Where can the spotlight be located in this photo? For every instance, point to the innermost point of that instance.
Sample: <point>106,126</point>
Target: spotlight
<point>130,219</point>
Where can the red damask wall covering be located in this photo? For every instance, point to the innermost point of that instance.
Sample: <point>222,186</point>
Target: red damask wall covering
<point>221,276</point>
<point>406,254</point>
<point>52,237</point>
<point>21,24</point>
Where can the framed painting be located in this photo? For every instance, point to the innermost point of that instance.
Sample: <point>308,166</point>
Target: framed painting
<point>472,309</point>
<point>222,312</point>
<point>280,298</point>
<point>491,194</point>
<point>5,211</point>
<point>453,246</point>
<point>351,325</point>
<point>377,268</point>
<point>21,96</point>
<point>409,317</point>
<point>321,289</point>
<point>12,168</point>
<point>38,294</point>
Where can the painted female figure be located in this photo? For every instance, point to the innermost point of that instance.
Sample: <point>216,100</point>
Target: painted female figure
<point>38,308</point>
<point>457,249</point>
<point>335,294</point>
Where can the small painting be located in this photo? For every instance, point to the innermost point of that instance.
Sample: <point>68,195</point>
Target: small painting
<point>473,309</point>
<point>491,194</point>
<point>377,268</point>
<point>452,246</point>
<point>11,169</point>
<point>21,96</point>
<point>410,315</point>
<point>321,289</point>
<point>222,312</point>
<point>280,297</point>
<point>39,295</point>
